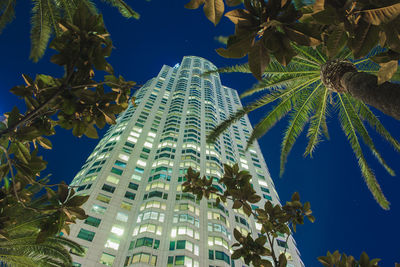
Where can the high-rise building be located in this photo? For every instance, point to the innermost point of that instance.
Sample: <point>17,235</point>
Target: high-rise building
<point>138,214</point>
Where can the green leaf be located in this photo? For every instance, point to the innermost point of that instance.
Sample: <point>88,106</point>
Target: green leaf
<point>41,29</point>
<point>79,128</point>
<point>91,131</point>
<point>76,201</point>
<point>369,178</point>
<point>7,10</point>
<point>44,142</point>
<point>13,117</point>
<point>299,117</point>
<point>316,123</point>
<point>22,152</point>
<point>124,9</point>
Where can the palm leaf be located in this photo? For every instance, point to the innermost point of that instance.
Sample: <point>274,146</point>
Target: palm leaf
<point>360,128</point>
<point>243,68</point>
<point>266,99</point>
<point>276,114</point>
<point>68,7</point>
<point>278,81</point>
<point>299,117</point>
<point>373,121</point>
<point>41,29</point>
<point>54,14</point>
<point>123,8</point>
<point>317,122</point>
<point>347,125</point>
<point>7,9</point>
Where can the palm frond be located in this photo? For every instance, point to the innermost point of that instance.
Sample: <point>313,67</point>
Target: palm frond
<point>68,8</point>
<point>123,8</point>
<point>276,114</point>
<point>362,131</point>
<point>278,81</point>
<point>41,29</point>
<point>7,11</point>
<point>309,54</point>
<point>317,123</point>
<point>266,99</point>
<point>55,16</point>
<point>89,4</point>
<point>300,115</point>
<point>242,68</point>
<point>366,114</point>
<point>349,129</point>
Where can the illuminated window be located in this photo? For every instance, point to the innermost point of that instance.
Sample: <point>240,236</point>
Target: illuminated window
<point>118,230</point>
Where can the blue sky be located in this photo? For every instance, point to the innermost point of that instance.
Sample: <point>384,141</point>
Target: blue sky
<point>347,216</point>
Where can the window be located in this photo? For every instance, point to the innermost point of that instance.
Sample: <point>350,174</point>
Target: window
<point>120,164</point>
<point>136,177</point>
<point>116,171</point>
<point>86,235</point>
<point>186,218</point>
<point>126,205</point>
<point>149,228</point>
<point>153,204</point>
<point>133,186</point>
<point>93,221</point>
<point>130,195</point>
<point>122,217</point>
<point>151,215</point>
<point>107,259</point>
<point>147,242</point>
<point>112,179</point>
<point>139,170</point>
<point>282,243</point>
<point>118,230</point>
<point>184,230</point>
<point>144,258</point>
<point>184,244</point>
<point>112,243</point>
<point>98,209</point>
<point>219,255</point>
<point>103,198</point>
<point>108,188</point>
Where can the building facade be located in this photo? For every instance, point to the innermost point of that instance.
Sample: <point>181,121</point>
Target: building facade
<point>138,214</point>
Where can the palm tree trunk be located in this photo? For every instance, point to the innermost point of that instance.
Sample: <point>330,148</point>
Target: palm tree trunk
<point>364,86</point>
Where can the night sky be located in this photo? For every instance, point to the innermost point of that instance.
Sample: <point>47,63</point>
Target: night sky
<point>347,217</point>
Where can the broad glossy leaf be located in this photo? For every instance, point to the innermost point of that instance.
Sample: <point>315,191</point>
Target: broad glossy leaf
<point>194,4</point>
<point>387,70</point>
<point>214,9</point>
<point>237,47</point>
<point>381,15</point>
<point>258,59</point>
<point>365,38</point>
<point>336,41</point>
<point>233,2</point>
<point>300,38</point>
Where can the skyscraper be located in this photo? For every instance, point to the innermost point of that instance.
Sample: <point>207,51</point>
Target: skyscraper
<point>138,214</point>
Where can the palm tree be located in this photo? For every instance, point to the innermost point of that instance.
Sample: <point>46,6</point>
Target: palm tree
<point>299,92</point>
<point>46,15</point>
<point>23,250</point>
